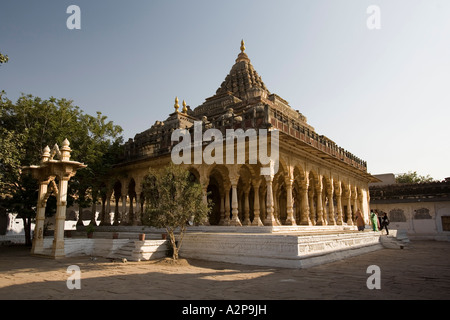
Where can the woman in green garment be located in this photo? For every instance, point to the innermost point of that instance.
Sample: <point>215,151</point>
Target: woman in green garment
<point>374,220</point>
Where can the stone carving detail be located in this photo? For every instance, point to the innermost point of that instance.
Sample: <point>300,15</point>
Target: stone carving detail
<point>397,215</point>
<point>422,213</point>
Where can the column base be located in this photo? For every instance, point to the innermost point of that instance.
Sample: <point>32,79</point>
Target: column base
<point>37,247</point>
<point>270,221</point>
<point>257,222</point>
<point>320,222</point>
<point>290,222</point>
<point>235,222</point>
<point>58,249</point>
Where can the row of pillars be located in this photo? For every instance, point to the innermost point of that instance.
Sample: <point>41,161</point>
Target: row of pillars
<point>312,211</point>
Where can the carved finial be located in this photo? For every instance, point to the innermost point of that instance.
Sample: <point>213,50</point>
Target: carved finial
<point>176,105</point>
<point>184,107</point>
<point>65,143</point>
<point>65,150</point>
<point>45,154</point>
<point>242,56</point>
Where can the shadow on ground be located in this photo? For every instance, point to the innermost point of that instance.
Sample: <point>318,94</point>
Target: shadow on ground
<point>420,272</point>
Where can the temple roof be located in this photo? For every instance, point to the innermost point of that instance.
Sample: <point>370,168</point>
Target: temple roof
<point>241,78</point>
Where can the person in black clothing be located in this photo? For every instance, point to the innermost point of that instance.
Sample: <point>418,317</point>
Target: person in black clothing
<point>385,222</point>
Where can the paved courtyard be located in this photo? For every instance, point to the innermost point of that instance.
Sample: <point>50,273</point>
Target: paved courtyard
<point>421,271</point>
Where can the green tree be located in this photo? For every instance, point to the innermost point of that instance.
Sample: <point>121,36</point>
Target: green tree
<point>3,58</point>
<point>173,199</point>
<point>412,177</point>
<point>30,124</point>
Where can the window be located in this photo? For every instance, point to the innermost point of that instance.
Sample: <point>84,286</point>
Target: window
<point>445,223</point>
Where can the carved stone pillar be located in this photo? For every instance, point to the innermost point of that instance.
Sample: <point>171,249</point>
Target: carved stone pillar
<point>256,211</point>
<point>338,191</point>
<point>93,212</point>
<point>124,220</point>
<point>107,218</point>
<point>116,209</point>
<point>137,212</point>
<point>349,206</point>
<point>312,209</point>
<point>304,214</point>
<point>290,219</point>
<point>234,202</point>
<point>276,207</point>
<point>355,203</point>
<point>246,221</point>
<point>60,217</point>
<point>331,218</point>
<point>38,238</point>
<point>319,213</point>
<point>270,219</point>
<point>106,209</point>
<point>227,205</point>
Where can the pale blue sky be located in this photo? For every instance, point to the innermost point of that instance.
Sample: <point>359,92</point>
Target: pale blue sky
<point>383,95</point>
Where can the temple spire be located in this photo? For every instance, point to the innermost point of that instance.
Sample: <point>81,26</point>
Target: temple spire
<point>242,46</point>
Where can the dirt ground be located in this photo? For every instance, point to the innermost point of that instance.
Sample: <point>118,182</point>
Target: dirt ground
<point>421,271</point>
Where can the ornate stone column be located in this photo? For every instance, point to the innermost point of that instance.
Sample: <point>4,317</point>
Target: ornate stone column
<point>93,212</point>
<point>331,218</point>
<point>234,202</point>
<point>107,218</point>
<point>349,206</point>
<point>227,205</point>
<point>116,209</point>
<point>124,216</point>
<point>137,221</point>
<point>256,211</point>
<point>312,209</point>
<point>319,213</point>
<point>276,207</point>
<point>270,219</point>
<point>355,203</point>
<point>361,201</point>
<point>304,214</point>
<point>131,214</point>
<point>338,191</point>
<point>246,221</point>
<point>60,217</point>
<point>290,219</point>
<point>106,209</point>
<point>38,238</point>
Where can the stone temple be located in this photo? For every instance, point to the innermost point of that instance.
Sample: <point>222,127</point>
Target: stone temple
<point>318,183</point>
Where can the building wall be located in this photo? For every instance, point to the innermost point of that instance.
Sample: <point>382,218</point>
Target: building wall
<point>421,220</point>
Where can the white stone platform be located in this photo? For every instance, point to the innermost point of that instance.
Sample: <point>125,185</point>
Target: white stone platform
<point>133,250</point>
<point>277,246</point>
<point>292,248</point>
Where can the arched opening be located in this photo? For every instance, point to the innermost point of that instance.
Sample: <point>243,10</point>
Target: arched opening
<point>214,196</point>
<point>117,195</point>
<point>132,199</point>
